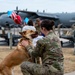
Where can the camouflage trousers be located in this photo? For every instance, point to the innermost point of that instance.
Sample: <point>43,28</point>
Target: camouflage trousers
<point>29,68</point>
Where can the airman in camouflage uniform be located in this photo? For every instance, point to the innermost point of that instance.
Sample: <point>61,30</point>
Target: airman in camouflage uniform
<point>37,25</point>
<point>49,49</point>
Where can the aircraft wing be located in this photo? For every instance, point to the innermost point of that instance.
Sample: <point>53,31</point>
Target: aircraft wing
<point>39,14</point>
<point>49,16</point>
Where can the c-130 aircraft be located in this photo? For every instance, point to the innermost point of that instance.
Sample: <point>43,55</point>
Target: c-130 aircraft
<point>65,19</point>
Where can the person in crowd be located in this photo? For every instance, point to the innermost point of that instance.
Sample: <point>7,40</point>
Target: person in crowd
<point>49,49</point>
<point>37,25</point>
<point>30,23</point>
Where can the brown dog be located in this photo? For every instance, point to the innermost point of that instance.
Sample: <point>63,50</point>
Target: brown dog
<point>19,55</point>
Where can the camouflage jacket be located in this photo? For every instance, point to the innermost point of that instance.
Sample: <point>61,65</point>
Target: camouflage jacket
<point>49,49</point>
<point>37,28</point>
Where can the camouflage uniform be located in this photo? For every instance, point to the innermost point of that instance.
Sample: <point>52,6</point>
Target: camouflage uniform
<point>37,28</point>
<point>37,25</point>
<point>49,49</point>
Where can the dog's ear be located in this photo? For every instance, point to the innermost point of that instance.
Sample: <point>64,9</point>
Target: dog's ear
<point>22,33</point>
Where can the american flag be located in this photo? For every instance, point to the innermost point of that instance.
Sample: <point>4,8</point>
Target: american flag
<point>13,15</point>
<point>17,19</point>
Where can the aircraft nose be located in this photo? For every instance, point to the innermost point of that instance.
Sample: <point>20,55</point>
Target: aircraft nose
<point>4,19</point>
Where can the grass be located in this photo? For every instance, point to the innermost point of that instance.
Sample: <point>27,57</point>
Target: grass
<point>69,59</point>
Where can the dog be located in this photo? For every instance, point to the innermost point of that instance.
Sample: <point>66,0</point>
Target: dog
<point>19,55</point>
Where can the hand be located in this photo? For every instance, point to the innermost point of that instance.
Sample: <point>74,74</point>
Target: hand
<point>25,43</point>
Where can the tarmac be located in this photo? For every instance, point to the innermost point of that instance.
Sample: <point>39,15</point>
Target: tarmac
<point>72,73</point>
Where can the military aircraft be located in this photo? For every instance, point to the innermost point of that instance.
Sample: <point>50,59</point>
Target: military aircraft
<point>65,19</point>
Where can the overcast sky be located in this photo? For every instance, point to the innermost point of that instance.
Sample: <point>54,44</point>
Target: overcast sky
<point>51,6</point>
